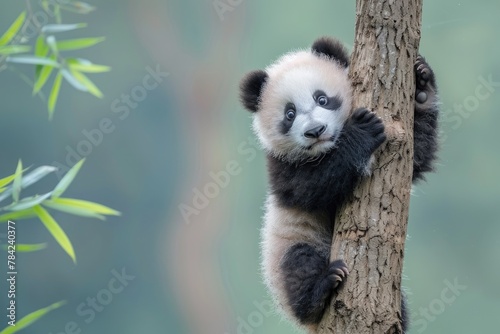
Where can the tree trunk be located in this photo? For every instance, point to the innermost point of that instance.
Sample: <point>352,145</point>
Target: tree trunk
<point>370,230</point>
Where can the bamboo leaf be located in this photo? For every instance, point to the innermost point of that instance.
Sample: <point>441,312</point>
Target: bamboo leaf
<point>56,231</point>
<point>13,29</point>
<point>67,179</point>
<point>83,65</point>
<point>54,94</point>
<point>89,85</point>
<point>74,210</point>
<point>52,43</point>
<point>27,202</point>
<point>13,49</point>
<point>41,50</point>
<point>73,81</point>
<point>17,215</point>
<point>16,185</point>
<point>43,76</point>
<point>37,174</point>
<point>55,28</point>
<point>91,206</point>
<point>33,60</point>
<point>25,248</point>
<point>45,5</point>
<point>77,44</point>
<point>78,7</point>
<point>29,179</point>
<point>6,180</point>
<point>31,318</point>
<point>57,13</point>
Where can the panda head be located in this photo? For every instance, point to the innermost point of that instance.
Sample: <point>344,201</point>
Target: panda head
<point>301,102</point>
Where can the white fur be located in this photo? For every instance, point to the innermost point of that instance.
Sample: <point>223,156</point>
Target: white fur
<point>294,78</point>
<point>283,228</point>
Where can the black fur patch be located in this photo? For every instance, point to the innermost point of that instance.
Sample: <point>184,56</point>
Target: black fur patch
<point>307,284</point>
<point>425,120</point>
<point>251,89</point>
<point>333,49</point>
<point>323,184</point>
<point>286,124</point>
<point>405,316</point>
<point>334,102</point>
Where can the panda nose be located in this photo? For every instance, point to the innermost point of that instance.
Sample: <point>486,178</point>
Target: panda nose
<point>315,132</point>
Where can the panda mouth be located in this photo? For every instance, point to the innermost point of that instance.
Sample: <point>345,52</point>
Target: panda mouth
<point>332,139</point>
<point>321,141</point>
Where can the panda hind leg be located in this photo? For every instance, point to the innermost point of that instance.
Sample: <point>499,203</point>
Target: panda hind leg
<point>425,119</point>
<point>310,280</point>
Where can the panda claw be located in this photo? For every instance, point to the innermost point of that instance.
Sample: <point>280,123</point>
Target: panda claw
<point>423,74</point>
<point>338,272</point>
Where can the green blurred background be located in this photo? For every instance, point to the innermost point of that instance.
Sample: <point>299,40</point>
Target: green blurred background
<point>200,274</point>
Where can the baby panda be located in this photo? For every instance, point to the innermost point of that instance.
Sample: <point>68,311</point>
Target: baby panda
<point>317,151</point>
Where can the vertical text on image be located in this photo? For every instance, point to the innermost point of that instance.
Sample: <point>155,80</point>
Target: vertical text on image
<point>11,272</point>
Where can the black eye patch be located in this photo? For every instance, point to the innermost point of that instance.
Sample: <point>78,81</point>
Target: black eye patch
<point>289,114</point>
<point>332,102</point>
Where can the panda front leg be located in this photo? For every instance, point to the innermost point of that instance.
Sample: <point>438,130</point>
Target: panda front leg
<point>425,119</point>
<point>310,280</point>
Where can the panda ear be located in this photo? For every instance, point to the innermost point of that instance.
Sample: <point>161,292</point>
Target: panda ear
<point>251,89</point>
<point>331,48</point>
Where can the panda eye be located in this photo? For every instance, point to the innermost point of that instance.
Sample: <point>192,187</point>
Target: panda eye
<point>322,100</point>
<point>290,111</point>
<point>290,114</point>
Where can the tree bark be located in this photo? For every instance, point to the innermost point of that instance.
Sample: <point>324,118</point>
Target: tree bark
<point>370,229</point>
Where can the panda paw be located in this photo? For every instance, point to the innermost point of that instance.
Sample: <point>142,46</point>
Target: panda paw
<point>337,272</point>
<point>425,80</point>
<point>372,127</point>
